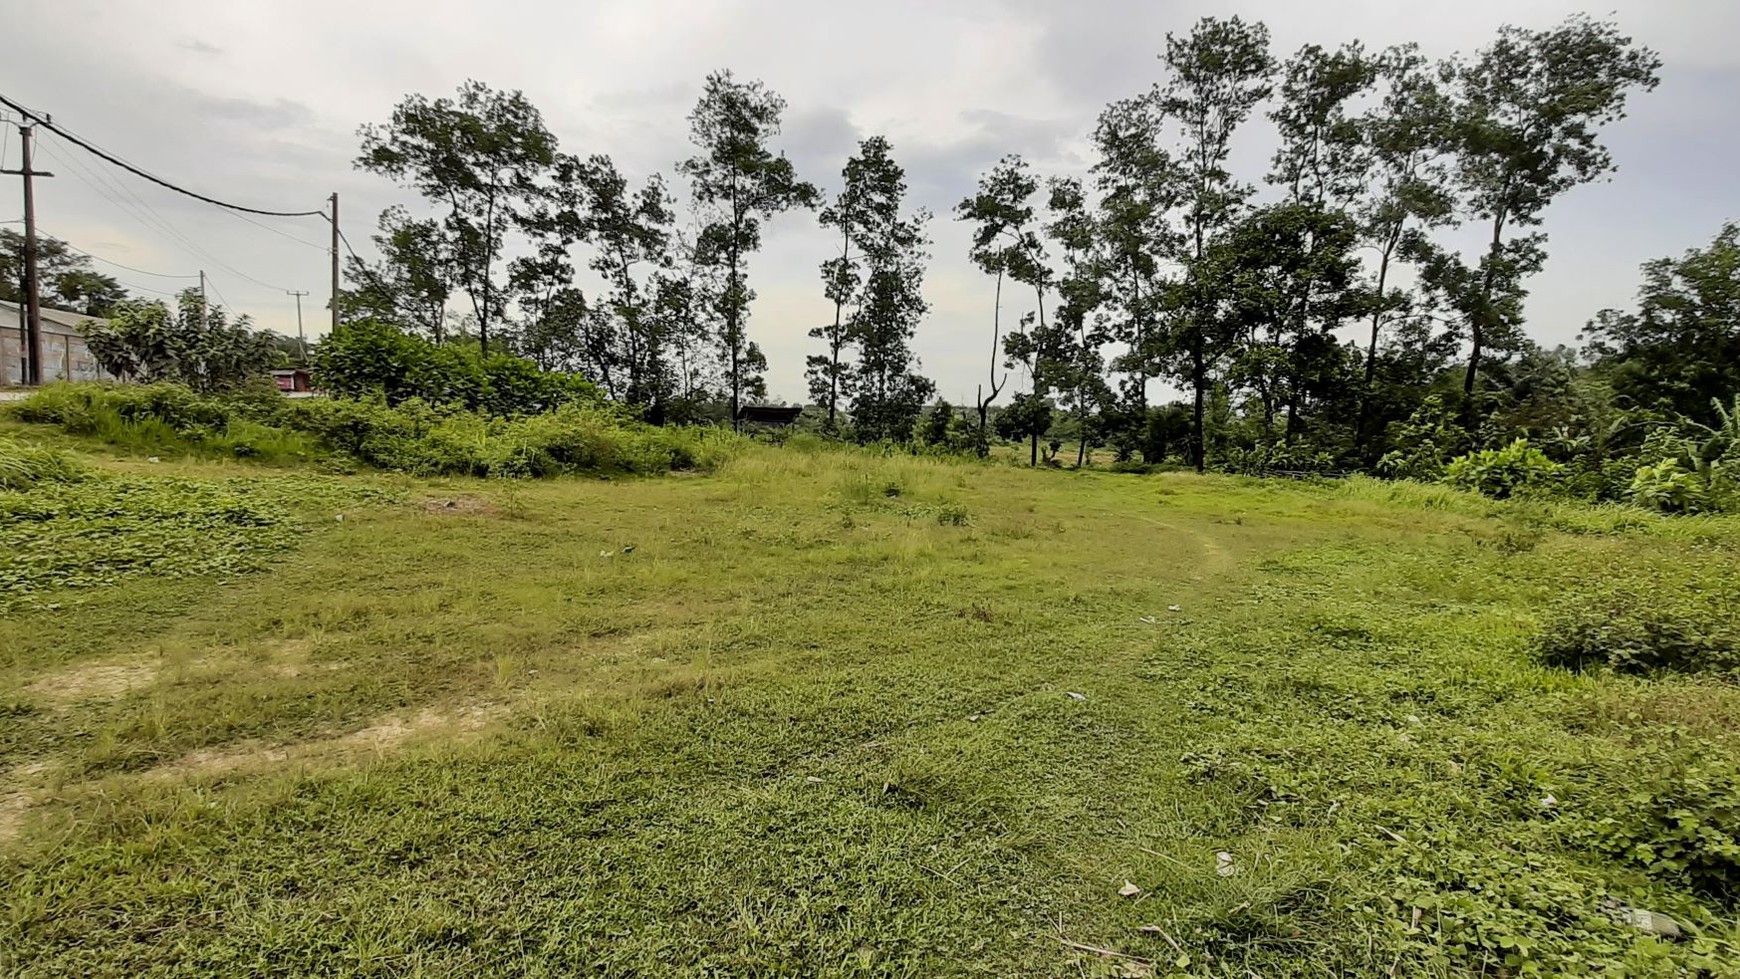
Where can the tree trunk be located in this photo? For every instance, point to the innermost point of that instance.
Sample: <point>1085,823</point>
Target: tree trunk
<point>834,338</point>
<point>1364,420</point>
<point>1481,318</point>
<point>1199,379</point>
<point>996,338</point>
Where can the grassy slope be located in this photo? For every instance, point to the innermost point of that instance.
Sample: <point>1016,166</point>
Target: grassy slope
<point>806,727</point>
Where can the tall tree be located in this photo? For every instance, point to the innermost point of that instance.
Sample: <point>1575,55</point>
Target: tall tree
<point>1322,162</point>
<point>411,281</point>
<point>1680,350</point>
<point>1075,365</point>
<point>1405,137</point>
<point>740,183</point>
<point>1139,186</point>
<point>68,279</point>
<point>1529,108</point>
<point>480,157</point>
<point>869,198</point>
<point>631,232</point>
<point>1219,73</point>
<point>552,311</point>
<point>889,394</point>
<point>1006,244</point>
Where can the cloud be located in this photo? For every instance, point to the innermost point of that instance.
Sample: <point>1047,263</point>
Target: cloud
<point>268,115</point>
<point>954,86</point>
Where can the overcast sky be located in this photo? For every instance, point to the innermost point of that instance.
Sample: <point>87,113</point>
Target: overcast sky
<point>258,102</point>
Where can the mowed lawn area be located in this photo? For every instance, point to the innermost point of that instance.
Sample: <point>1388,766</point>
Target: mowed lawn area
<point>829,714</point>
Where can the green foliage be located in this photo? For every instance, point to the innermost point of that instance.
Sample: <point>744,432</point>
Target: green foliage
<point>1679,818</point>
<point>1698,467</point>
<point>194,344</point>
<point>23,466</point>
<point>106,529</point>
<point>371,357</point>
<point>1426,442</point>
<point>412,436</point>
<point>1278,459</point>
<point>1513,470</point>
<point>1662,631</point>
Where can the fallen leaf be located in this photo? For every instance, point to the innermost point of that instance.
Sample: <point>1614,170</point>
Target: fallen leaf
<point>1129,890</point>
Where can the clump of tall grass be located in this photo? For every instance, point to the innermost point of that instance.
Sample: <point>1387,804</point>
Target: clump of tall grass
<point>23,466</point>
<point>414,436</point>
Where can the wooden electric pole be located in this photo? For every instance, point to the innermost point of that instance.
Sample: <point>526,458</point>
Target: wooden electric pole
<point>300,338</point>
<point>202,299</point>
<point>31,372</point>
<point>335,261</point>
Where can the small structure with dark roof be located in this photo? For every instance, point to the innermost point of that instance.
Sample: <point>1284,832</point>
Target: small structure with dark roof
<point>778,416</point>
<point>293,381</point>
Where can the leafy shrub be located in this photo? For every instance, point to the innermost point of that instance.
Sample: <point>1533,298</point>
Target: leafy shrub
<point>1680,821</point>
<point>1502,473</point>
<point>1696,467</point>
<point>1632,634</point>
<point>414,436</point>
<point>24,466</point>
<point>370,358</point>
<point>1265,460</point>
<point>1430,436</point>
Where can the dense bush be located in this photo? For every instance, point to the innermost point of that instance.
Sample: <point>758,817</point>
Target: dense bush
<point>1266,460</point>
<point>1502,473</point>
<point>371,358</point>
<point>161,418</point>
<point>1632,633</point>
<point>1680,820</point>
<point>413,436</point>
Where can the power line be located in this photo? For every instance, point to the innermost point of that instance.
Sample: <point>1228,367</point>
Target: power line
<point>212,285</point>
<point>110,261</point>
<point>155,222</point>
<point>136,171</point>
<point>281,234</point>
<point>137,288</point>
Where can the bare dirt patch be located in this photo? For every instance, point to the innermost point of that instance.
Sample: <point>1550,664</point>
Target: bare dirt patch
<point>385,734</point>
<point>15,799</point>
<point>94,681</point>
<point>464,505</point>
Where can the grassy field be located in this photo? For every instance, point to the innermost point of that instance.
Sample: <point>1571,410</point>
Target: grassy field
<point>825,714</point>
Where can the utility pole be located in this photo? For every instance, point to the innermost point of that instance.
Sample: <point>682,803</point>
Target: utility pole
<point>202,300</point>
<point>32,368</point>
<point>335,261</point>
<point>299,337</point>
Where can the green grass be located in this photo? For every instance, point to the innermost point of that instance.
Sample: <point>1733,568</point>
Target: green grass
<point>826,714</point>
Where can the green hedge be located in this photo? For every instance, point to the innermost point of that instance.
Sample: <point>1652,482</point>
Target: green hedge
<point>576,437</point>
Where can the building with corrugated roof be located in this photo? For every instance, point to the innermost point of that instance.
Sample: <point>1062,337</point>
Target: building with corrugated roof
<point>64,353</point>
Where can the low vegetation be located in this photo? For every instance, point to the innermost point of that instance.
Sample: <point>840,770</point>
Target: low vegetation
<point>831,712</point>
<point>413,436</point>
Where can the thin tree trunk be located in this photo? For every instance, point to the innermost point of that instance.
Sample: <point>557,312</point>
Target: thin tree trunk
<point>834,338</point>
<point>1199,375</point>
<point>1364,420</point>
<point>996,339</point>
<point>1478,322</point>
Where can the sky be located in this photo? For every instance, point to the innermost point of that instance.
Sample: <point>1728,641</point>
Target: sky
<point>259,103</point>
